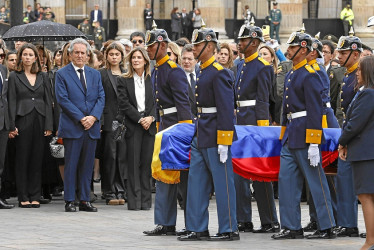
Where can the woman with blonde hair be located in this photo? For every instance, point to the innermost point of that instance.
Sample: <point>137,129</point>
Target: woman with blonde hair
<point>113,152</point>
<point>174,52</point>
<point>136,105</point>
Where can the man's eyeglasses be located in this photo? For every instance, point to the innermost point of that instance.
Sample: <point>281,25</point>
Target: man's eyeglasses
<point>137,41</point>
<point>235,52</point>
<point>326,52</point>
<point>2,56</point>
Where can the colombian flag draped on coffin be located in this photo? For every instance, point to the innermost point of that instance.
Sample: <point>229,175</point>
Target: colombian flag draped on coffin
<point>255,155</point>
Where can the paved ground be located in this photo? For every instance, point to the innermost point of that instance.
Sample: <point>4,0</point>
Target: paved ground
<point>115,227</point>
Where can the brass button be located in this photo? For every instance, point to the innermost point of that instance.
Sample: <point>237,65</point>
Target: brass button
<point>239,87</point>
<point>341,91</point>
<point>341,100</point>
<point>311,134</point>
<point>286,96</point>
<point>238,96</point>
<point>289,80</point>
<point>318,134</point>
<point>195,86</point>
<point>196,94</point>
<point>199,116</point>
<point>200,71</point>
<point>242,72</point>
<point>157,100</point>
<point>287,105</point>
<point>197,103</point>
<point>286,88</point>
<point>156,92</point>
<point>291,72</point>
<point>197,79</point>
<point>244,64</point>
<point>240,80</point>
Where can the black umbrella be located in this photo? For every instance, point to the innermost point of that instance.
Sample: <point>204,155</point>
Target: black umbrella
<point>42,30</point>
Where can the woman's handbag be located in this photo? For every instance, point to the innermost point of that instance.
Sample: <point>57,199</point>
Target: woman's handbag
<point>119,130</point>
<point>57,149</point>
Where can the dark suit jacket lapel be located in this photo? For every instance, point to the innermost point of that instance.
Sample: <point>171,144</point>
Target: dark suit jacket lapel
<point>130,85</point>
<point>75,77</point>
<point>5,81</point>
<point>89,79</point>
<point>113,81</point>
<point>148,92</point>
<point>22,77</point>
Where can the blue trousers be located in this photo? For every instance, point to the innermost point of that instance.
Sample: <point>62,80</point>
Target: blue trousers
<point>294,168</point>
<point>205,169</point>
<point>264,195</point>
<point>345,194</point>
<point>166,204</point>
<point>80,151</point>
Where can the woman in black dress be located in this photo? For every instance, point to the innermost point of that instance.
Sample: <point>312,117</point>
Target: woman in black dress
<point>356,144</point>
<point>30,120</point>
<point>135,102</point>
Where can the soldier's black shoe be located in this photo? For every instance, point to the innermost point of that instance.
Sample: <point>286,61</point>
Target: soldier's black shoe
<point>161,230</point>
<point>194,236</point>
<point>245,226</point>
<point>347,232</point>
<point>268,228</point>
<point>322,234</point>
<point>225,236</point>
<point>362,235</point>
<point>288,234</point>
<point>311,227</point>
<point>181,232</point>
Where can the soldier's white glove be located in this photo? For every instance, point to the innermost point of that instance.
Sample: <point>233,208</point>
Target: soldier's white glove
<point>313,155</point>
<point>223,151</point>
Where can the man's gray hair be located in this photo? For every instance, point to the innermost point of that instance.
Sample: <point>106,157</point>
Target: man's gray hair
<point>79,41</point>
<point>187,48</point>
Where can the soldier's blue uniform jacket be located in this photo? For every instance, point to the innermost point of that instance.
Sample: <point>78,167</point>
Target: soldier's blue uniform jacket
<point>254,82</point>
<point>320,70</point>
<point>170,86</point>
<point>214,89</point>
<point>304,95</point>
<point>276,15</point>
<point>348,91</point>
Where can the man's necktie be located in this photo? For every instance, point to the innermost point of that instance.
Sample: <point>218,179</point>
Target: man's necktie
<point>193,83</point>
<point>83,81</point>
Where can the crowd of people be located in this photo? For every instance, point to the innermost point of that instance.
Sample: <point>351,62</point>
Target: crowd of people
<point>38,14</point>
<point>149,83</point>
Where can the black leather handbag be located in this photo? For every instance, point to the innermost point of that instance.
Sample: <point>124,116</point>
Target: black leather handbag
<point>119,130</point>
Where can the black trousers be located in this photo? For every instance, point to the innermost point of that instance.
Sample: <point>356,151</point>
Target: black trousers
<point>139,154</point>
<point>29,156</point>
<point>3,145</point>
<point>114,167</point>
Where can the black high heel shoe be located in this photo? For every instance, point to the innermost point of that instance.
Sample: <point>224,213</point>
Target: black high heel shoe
<point>24,206</point>
<point>35,205</point>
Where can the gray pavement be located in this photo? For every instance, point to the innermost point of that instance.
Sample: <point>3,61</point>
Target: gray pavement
<point>115,227</point>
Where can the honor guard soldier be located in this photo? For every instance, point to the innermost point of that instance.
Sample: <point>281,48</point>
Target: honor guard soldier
<point>99,35</point>
<point>349,50</point>
<point>328,121</point>
<point>301,134</point>
<point>170,86</point>
<point>275,21</point>
<point>85,26</point>
<point>252,90</point>
<point>210,150</point>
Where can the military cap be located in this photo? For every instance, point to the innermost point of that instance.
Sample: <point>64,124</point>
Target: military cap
<point>275,3</point>
<point>371,21</point>
<point>204,35</point>
<point>156,35</point>
<point>332,38</point>
<point>251,31</point>
<point>300,39</point>
<point>317,45</point>
<point>349,43</point>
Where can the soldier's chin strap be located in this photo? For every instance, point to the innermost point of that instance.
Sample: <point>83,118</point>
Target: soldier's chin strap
<point>347,58</point>
<point>249,43</point>
<point>297,51</point>
<point>206,44</point>
<point>158,47</point>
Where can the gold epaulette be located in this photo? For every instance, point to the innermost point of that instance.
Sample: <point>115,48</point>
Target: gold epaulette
<point>310,69</point>
<point>172,64</point>
<point>316,67</point>
<point>263,61</point>
<point>217,66</point>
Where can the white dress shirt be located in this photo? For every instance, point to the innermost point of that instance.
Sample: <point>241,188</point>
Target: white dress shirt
<point>140,92</point>
<point>188,76</point>
<point>79,75</point>
<point>96,13</point>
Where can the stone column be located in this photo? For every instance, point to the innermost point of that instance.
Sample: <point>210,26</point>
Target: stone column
<point>363,10</point>
<point>130,17</point>
<point>291,16</point>
<point>213,14</point>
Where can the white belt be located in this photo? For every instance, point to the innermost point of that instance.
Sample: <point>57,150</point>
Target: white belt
<point>328,104</point>
<point>246,103</point>
<point>167,111</point>
<point>210,110</point>
<point>291,116</point>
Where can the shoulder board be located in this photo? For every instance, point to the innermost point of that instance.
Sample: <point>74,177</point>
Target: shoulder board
<point>172,64</point>
<point>217,66</point>
<point>316,67</point>
<point>310,69</point>
<point>263,61</point>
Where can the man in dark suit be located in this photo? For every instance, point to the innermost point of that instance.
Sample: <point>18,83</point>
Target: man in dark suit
<point>4,126</point>
<point>96,16</point>
<point>80,94</point>
<point>188,65</point>
<point>186,24</point>
<point>30,14</point>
